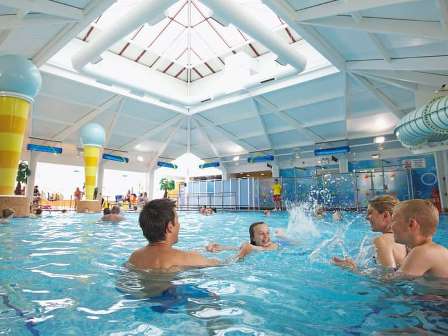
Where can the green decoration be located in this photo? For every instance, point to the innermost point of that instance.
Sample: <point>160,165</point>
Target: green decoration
<point>166,185</point>
<point>23,172</point>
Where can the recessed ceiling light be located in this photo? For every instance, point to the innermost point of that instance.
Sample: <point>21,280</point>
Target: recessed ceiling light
<point>236,158</point>
<point>375,156</point>
<point>140,158</point>
<point>379,139</point>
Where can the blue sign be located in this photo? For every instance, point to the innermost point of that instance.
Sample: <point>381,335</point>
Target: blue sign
<point>116,158</point>
<point>209,165</point>
<point>330,151</point>
<point>46,149</point>
<point>166,164</point>
<point>264,158</point>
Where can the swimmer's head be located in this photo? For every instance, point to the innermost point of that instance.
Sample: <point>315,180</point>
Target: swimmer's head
<point>259,234</point>
<point>115,210</point>
<point>106,211</point>
<point>414,219</point>
<point>8,212</point>
<point>379,212</point>
<point>158,221</point>
<point>38,211</point>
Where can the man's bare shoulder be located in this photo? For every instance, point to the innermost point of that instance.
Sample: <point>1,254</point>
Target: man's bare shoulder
<point>384,241</point>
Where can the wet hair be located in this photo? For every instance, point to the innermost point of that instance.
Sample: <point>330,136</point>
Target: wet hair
<point>7,212</point>
<point>252,231</point>
<point>385,203</point>
<point>423,211</point>
<point>115,210</point>
<point>38,211</point>
<point>155,217</point>
<point>106,211</point>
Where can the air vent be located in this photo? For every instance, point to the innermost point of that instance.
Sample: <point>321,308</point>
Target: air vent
<point>206,100</point>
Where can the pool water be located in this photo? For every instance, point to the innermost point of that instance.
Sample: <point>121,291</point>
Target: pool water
<point>64,274</point>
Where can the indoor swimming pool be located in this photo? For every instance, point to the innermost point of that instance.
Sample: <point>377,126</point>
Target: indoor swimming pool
<point>64,274</point>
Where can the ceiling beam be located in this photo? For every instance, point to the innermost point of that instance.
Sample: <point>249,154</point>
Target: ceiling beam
<point>154,130</point>
<point>46,7</point>
<point>290,120</point>
<point>347,106</point>
<point>443,6</point>
<point>70,31</point>
<point>62,135</point>
<point>204,133</point>
<point>419,78</point>
<point>427,63</point>
<point>247,147</point>
<point>283,9</point>
<point>113,122</point>
<point>424,29</point>
<point>397,83</point>
<point>379,95</point>
<point>263,125</point>
<point>343,7</point>
<point>4,34</point>
<point>373,38</point>
<point>168,140</point>
<point>30,21</point>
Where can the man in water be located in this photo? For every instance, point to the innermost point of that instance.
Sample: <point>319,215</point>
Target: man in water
<point>388,252</point>
<point>260,240</point>
<point>112,215</point>
<point>414,223</point>
<point>160,225</point>
<point>277,195</point>
<point>7,215</point>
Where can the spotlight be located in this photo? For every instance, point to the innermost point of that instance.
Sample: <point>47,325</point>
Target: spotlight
<point>140,158</point>
<point>236,158</point>
<point>379,140</point>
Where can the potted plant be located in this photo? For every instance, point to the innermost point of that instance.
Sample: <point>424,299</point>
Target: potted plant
<point>23,172</point>
<point>166,185</point>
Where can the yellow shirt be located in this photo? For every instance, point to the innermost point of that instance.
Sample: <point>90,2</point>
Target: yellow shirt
<point>277,189</point>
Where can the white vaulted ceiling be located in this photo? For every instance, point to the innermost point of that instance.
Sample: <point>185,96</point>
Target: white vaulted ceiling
<point>366,59</point>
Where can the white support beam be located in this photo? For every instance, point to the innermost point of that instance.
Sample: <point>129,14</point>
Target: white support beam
<point>419,78</point>
<point>285,117</point>
<point>373,38</point>
<point>347,106</point>
<point>46,7</point>
<point>70,31</point>
<point>424,29</point>
<point>428,63</point>
<point>263,125</point>
<point>113,122</point>
<point>204,133</point>
<point>443,6</point>
<point>165,144</point>
<point>397,83</point>
<point>343,7</point>
<point>188,134</point>
<point>12,22</point>
<point>154,130</point>
<point>283,9</point>
<point>4,34</point>
<point>379,95</point>
<point>247,147</point>
<point>62,135</point>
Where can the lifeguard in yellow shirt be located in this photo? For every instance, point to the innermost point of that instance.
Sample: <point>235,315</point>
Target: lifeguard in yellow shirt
<point>277,195</point>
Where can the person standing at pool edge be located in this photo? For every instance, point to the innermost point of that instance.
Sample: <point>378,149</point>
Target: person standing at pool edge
<point>277,195</point>
<point>388,252</point>
<point>160,225</point>
<point>414,222</point>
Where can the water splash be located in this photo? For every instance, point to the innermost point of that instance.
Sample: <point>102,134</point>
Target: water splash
<point>300,222</point>
<point>336,241</point>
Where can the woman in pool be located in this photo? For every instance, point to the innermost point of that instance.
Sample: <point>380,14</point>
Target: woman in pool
<point>388,252</point>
